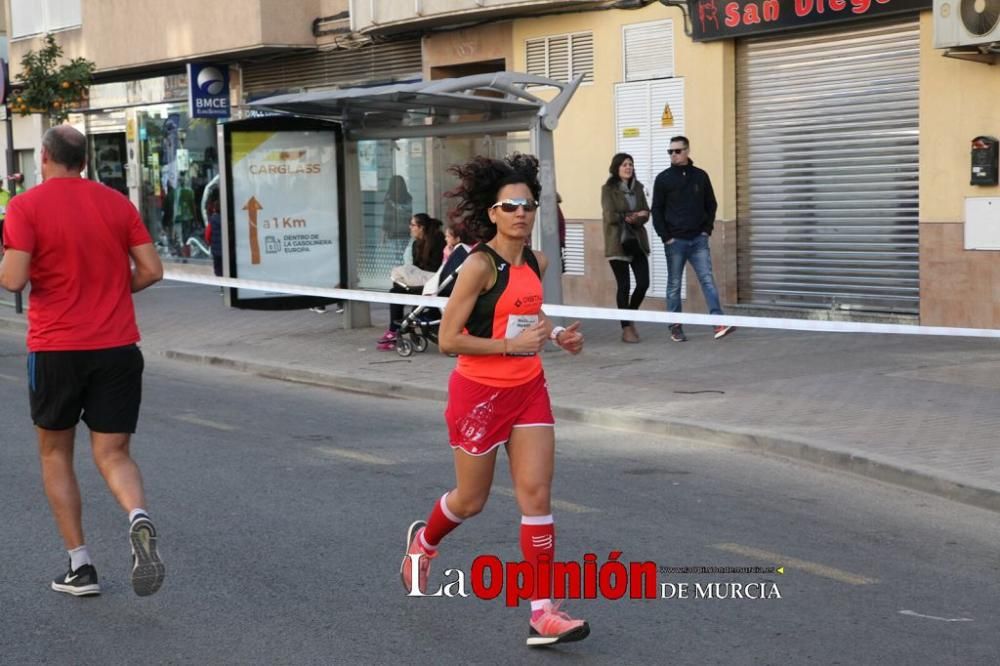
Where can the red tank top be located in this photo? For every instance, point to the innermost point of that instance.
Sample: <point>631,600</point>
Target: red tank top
<point>511,304</point>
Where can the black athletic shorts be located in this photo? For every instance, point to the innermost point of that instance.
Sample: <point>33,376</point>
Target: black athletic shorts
<point>102,385</point>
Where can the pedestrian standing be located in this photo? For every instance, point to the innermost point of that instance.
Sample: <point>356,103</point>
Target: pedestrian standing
<point>73,239</point>
<point>497,393</point>
<point>626,245</point>
<point>684,209</point>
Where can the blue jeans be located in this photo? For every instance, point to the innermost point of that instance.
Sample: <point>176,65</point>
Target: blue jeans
<point>696,251</point>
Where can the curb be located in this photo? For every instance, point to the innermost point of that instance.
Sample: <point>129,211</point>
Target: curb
<point>861,465</point>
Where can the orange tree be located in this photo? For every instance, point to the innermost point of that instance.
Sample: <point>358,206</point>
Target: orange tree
<point>45,86</point>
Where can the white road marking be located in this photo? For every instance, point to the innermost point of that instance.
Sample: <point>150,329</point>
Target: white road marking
<point>9,377</point>
<point>792,563</point>
<point>562,505</point>
<point>354,456</point>
<point>196,420</point>
<point>935,617</point>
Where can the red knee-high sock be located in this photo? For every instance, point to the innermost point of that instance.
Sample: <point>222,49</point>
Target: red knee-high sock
<point>538,538</point>
<point>439,524</point>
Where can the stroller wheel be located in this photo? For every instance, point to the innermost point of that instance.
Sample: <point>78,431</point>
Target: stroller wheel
<point>419,342</point>
<point>404,347</point>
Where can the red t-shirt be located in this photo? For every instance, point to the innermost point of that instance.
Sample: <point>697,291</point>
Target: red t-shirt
<point>78,234</point>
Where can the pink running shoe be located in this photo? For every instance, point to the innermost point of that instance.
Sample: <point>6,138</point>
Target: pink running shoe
<point>413,547</point>
<point>388,336</point>
<point>554,626</point>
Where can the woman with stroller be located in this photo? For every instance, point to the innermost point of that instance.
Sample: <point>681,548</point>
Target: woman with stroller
<point>428,249</point>
<point>497,394</point>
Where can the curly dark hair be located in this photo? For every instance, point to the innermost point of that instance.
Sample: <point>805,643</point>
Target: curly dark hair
<point>480,179</point>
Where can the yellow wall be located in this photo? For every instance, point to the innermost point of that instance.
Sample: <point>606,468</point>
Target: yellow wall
<point>959,100</point>
<point>585,139</point>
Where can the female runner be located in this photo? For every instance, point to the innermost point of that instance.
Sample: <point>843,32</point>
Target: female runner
<point>497,393</point>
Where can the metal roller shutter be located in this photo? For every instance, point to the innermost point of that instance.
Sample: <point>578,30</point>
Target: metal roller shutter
<point>378,62</point>
<point>827,168</point>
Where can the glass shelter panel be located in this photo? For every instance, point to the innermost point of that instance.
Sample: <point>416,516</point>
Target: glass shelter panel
<point>400,178</point>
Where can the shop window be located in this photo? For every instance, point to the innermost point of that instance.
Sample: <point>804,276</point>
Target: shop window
<point>107,160</point>
<point>649,50</point>
<point>179,160</point>
<point>33,17</point>
<point>561,57</point>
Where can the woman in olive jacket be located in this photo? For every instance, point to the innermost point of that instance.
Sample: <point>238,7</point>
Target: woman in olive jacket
<point>623,201</point>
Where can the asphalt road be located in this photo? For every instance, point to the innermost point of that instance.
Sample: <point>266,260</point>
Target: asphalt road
<point>282,510</point>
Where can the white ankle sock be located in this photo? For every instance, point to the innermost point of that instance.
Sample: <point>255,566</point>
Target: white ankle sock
<point>78,557</point>
<point>135,513</point>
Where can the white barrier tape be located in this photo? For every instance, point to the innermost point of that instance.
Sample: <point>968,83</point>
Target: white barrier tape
<point>577,312</point>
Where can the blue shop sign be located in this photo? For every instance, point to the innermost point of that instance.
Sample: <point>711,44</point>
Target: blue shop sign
<point>208,90</point>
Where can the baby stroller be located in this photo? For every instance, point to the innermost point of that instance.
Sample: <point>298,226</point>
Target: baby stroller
<point>421,326</point>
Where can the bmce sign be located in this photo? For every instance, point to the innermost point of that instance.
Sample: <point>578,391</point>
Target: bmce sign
<point>208,90</point>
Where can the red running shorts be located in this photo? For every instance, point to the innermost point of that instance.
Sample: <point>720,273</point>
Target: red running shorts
<point>481,418</point>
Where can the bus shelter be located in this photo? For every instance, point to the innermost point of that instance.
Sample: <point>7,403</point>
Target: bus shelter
<point>433,124</point>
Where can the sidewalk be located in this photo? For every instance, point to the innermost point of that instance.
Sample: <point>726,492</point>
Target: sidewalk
<point>919,412</point>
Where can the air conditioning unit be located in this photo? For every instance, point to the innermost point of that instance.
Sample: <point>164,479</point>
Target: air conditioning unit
<point>966,23</point>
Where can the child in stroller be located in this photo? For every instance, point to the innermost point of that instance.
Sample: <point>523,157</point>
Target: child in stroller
<point>421,326</point>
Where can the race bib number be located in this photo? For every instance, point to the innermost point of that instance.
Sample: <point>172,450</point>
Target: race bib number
<point>516,324</point>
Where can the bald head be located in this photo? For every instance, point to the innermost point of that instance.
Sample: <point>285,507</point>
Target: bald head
<point>66,147</point>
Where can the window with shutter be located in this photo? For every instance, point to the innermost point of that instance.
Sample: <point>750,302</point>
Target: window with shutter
<point>575,250</point>
<point>535,56</point>
<point>561,57</point>
<point>649,50</point>
<point>582,56</point>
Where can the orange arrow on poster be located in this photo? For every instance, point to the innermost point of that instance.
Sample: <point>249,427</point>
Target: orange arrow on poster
<point>251,208</point>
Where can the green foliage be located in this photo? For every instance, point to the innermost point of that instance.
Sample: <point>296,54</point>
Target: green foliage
<point>44,86</point>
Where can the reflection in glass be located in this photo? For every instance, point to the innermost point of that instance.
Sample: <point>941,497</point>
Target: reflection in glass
<point>400,178</point>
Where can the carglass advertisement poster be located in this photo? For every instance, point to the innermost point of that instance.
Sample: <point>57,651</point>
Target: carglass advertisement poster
<point>285,208</point>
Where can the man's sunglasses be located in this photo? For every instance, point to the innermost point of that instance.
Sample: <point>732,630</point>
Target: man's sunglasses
<point>675,151</point>
<point>511,205</point>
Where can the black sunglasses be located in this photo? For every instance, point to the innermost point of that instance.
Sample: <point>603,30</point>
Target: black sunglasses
<point>511,205</point>
<point>675,151</point>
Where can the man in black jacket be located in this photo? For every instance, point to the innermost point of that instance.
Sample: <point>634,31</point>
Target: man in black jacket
<point>684,208</point>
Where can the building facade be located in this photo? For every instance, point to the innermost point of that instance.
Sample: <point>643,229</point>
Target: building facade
<point>143,140</point>
<point>837,134</point>
<point>838,137</point>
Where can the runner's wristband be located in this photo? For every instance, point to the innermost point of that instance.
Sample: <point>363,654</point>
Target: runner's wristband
<point>554,335</point>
